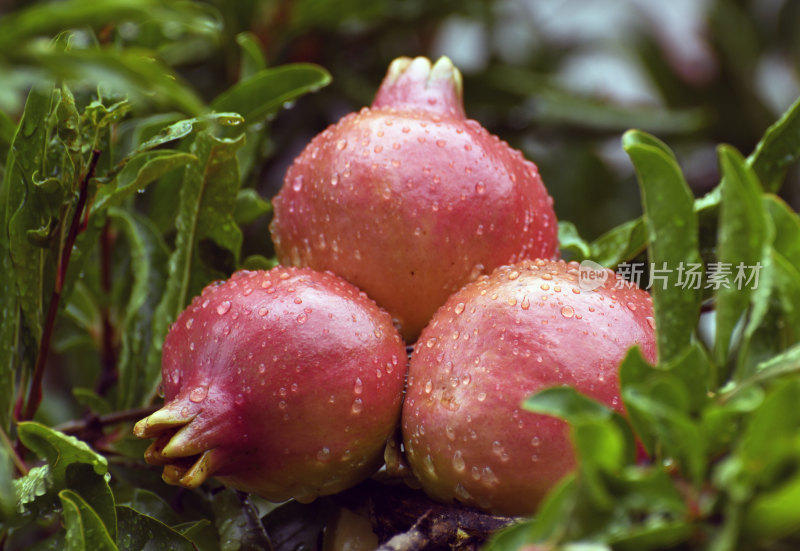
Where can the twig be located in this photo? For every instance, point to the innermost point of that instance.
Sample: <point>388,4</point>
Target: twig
<point>35,390</point>
<point>108,359</point>
<point>81,425</point>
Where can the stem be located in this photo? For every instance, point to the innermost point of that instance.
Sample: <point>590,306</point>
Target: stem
<point>108,372</point>
<point>35,390</point>
<point>18,462</point>
<point>75,427</point>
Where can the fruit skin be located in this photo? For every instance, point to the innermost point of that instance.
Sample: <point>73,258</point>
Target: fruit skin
<point>285,383</point>
<point>497,341</point>
<point>409,200</point>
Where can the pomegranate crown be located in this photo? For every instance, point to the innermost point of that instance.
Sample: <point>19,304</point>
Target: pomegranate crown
<point>415,84</point>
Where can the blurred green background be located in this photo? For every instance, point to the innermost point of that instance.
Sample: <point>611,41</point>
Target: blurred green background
<point>559,79</point>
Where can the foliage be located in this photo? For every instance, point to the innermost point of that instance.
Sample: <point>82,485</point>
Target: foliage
<point>135,137</point>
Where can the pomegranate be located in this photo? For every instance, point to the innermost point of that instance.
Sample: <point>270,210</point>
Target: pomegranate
<point>284,383</point>
<point>409,200</point>
<point>497,341</point>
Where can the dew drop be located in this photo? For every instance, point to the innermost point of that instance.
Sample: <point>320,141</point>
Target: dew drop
<point>341,144</point>
<point>297,183</point>
<point>358,406</point>
<point>263,312</point>
<point>480,188</point>
<point>189,323</point>
<point>567,311</point>
<point>324,455</point>
<point>223,307</point>
<point>631,307</point>
<point>428,386</point>
<point>441,143</point>
<point>302,318</point>
<point>458,462</point>
<point>459,308</point>
<point>198,394</point>
<point>525,303</point>
<point>358,388</point>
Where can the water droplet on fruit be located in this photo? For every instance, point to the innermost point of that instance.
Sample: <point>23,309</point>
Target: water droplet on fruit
<point>189,323</point>
<point>324,455</point>
<point>239,400</point>
<point>480,188</point>
<point>430,342</point>
<point>481,396</point>
<point>297,183</point>
<point>459,308</point>
<point>651,322</point>
<point>302,318</point>
<point>358,388</point>
<point>341,144</point>
<point>223,307</point>
<point>488,476</point>
<point>263,312</point>
<point>450,432</point>
<point>631,307</point>
<point>334,180</point>
<point>198,394</point>
<point>567,311</point>
<point>428,386</point>
<point>535,441</point>
<point>462,493</point>
<point>458,462</point>
<point>358,406</point>
<point>513,275</point>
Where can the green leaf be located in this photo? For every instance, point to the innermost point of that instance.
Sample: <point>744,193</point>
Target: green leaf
<point>744,234</point>
<point>139,379</point>
<point>48,19</point>
<point>7,494</point>
<point>140,171</point>
<point>238,523</point>
<point>250,206</point>
<point>84,528</point>
<point>569,240</point>
<point>673,240</point>
<point>138,531</point>
<point>268,90</point>
<point>620,244</point>
<point>252,57</point>
<point>184,127</point>
<point>95,491</point>
<point>59,450</point>
<point>566,403</point>
<point>25,211</point>
<point>208,240</point>
<point>774,514</point>
<point>90,399</point>
<point>258,262</point>
<point>778,149</point>
<point>131,71</point>
<point>786,237</point>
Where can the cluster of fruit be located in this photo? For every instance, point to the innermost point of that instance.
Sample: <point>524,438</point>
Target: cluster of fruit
<point>402,223</point>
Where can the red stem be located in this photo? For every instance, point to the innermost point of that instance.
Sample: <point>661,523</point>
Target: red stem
<point>35,390</point>
<point>108,373</point>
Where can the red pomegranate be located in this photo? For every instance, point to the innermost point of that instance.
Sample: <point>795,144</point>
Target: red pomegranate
<point>285,383</point>
<point>497,341</point>
<point>409,200</point>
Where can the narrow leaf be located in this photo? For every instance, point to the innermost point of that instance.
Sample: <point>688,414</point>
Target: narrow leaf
<point>778,149</point>
<point>85,530</point>
<point>137,378</point>
<point>673,240</point>
<point>744,234</point>
<point>208,241</point>
<point>267,91</point>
